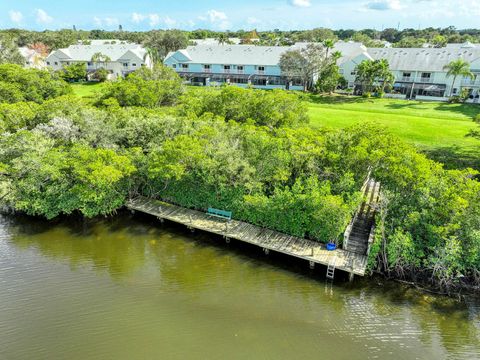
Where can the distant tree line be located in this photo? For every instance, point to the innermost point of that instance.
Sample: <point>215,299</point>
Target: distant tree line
<point>163,41</point>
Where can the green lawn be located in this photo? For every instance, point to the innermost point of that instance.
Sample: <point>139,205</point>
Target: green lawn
<point>439,129</point>
<point>87,89</point>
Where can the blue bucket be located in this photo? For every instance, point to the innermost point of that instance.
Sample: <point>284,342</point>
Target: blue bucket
<point>331,246</point>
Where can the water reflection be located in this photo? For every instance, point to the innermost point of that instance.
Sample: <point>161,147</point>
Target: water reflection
<point>135,282</point>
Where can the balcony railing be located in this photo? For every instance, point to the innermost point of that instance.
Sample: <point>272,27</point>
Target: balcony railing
<point>261,72</point>
<point>471,82</point>
<point>425,79</point>
<point>207,70</point>
<point>226,71</point>
<point>239,71</point>
<point>406,78</point>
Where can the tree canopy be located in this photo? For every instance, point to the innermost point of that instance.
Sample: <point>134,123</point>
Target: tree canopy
<point>244,150</point>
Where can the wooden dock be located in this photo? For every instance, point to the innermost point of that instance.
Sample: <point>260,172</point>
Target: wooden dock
<point>268,240</point>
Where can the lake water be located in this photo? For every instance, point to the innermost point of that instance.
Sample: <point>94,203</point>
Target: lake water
<point>130,288</point>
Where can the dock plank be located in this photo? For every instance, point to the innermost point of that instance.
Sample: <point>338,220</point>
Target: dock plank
<point>242,231</point>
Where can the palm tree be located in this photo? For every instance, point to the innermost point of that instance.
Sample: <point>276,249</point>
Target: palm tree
<point>222,39</point>
<point>153,54</point>
<point>384,73</point>
<point>457,68</point>
<point>328,44</point>
<point>100,58</point>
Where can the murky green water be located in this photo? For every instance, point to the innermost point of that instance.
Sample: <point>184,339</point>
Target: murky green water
<point>129,288</point>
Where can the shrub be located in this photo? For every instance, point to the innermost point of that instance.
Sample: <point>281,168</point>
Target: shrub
<point>101,75</point>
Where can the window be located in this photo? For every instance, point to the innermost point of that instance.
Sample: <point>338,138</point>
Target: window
<point>240,68</point>
<point>125,64</point>
<point>226,67</point>
<point>68,62</point>
<point>353,72</point>
<point>48,62</point>
<point>407,74</point>
<point>426,75</point>
<point>261,68</point>
<point>90,63</point>
<point>454,90</point>
<point>134,65</point>
<point>174,66</point>
<point>184,66</point>
<point>206,67</point>
<point>56,63</point>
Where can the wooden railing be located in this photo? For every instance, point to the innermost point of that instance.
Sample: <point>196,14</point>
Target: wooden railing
<point>348,230</point>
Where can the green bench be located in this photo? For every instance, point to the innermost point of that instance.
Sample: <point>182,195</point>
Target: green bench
<point>220,213</point>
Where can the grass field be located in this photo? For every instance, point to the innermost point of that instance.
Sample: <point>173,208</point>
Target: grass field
<point>87,89</point>
<point>439,129</point>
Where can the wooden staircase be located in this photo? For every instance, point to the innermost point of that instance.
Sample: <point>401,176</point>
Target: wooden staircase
<point>358,234</point>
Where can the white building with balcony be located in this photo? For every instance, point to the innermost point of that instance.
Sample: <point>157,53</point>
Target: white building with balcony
<point>419,72</point>
<point>121,57</point>
<point>243,65</point>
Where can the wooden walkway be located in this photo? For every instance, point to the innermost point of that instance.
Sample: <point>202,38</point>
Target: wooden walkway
<point>269,240</point>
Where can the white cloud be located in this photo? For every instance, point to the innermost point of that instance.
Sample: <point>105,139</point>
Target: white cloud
<point>214,16</point>
<point>107,21</point>
<point>111,21</point>
<point>43,17</point>
<point>137,18</point>
<point>300,3</point>
<point>170,22</point>
<point>154,19</point>
<point>15,16</point>
<point>217,19</point>
<point>253,20</point>
<point>383,5</point>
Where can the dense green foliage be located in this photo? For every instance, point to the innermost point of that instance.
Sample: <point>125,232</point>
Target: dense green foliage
<point>146,87</point>
<point>374,76</point>
<point>245,151</point>
<point>9,53</point>
<point>74,72</point>
<point>275,108</point>
<point>18,84</point>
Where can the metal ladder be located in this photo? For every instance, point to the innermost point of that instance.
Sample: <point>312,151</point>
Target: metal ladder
<point>331,269</point>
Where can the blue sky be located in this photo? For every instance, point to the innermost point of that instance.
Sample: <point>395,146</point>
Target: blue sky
<point>238,14</point>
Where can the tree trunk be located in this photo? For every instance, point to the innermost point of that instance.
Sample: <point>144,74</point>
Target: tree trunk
<point>453,84</point>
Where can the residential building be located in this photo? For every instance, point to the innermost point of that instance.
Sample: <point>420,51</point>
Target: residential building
<point>419,72</point>
<point>243,65</point>
<point>33,59</point>
<point>119,57</point>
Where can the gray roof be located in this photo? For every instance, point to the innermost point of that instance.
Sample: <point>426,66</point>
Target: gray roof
<point>85,52</point>
<point>251,54</point>
<point>423,59</point>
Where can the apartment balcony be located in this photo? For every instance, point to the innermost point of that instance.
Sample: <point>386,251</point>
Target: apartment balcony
<point>240,71</point>
<point>425,80</point>
<point>208,71</point>
<point>406,79</point>
<point>260,72</point>
<point>227,71</point>
<point>470,82</point>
